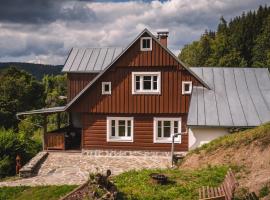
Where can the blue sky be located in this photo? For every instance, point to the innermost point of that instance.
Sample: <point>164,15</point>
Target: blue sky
<point>44,31</point>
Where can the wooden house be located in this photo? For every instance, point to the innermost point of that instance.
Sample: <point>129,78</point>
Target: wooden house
<point>133,100</point>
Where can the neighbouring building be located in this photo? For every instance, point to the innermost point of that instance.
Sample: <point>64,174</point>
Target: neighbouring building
<point>133,100</point>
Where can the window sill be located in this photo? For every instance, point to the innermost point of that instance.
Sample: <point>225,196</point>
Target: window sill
<point>167,141</point>
<point>147,93</point>
<point>119,140</point>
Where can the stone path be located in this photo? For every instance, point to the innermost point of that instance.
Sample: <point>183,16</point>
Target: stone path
<point>73,168</point>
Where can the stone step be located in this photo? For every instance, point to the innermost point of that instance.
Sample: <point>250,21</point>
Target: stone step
<point>30,169</point>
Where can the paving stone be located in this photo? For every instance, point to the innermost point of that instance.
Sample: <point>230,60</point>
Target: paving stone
<point>73,168</point>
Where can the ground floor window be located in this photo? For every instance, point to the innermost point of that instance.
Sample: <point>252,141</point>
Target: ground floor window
<point>120,129</point>
<point>164,129</point>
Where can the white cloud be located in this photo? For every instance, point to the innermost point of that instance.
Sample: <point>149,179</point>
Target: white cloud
<point>112,24</point>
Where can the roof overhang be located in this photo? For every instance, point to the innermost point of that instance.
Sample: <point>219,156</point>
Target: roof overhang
<point>43,111</point>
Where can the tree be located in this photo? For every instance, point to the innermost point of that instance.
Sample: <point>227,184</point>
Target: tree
<point>19,91</point>
<point>243,42</point>
<point>261,50</point>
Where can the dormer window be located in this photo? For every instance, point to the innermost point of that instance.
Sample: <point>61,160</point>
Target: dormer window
<point>106,87</point>
<point>146,82</point>
<point>186,87</point>
<point>146,44</point>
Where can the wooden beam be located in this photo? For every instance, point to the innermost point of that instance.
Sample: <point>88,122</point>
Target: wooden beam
<point>58,121</point>
<point>44,131</point>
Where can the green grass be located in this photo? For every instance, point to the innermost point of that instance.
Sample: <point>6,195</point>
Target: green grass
<point>260,133</point>
<point>183,184</point>
<point>34,193</point>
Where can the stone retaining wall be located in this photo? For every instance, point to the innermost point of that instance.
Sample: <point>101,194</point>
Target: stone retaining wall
<point>30,169</point>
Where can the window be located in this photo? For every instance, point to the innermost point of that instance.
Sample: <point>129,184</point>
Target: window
<point>186,87</point>
<point>106,87</point>
<point>119,129</point>
<point>145,82</point>
<point>164,129</point>
<point>146,44</point>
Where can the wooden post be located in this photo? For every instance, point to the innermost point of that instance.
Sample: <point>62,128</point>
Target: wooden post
<point>18,164</point>
<point>44,132</point>
<point>58,121</point>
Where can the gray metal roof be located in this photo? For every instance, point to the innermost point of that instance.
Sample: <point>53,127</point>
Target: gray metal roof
<point>239,97</point>
<point>43,111</point>
<point>83,60</point>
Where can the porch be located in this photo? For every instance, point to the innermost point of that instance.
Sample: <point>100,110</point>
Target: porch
<point>63,136</point>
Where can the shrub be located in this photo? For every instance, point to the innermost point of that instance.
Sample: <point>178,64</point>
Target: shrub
<point>13,144</point>
<point>264,191</point>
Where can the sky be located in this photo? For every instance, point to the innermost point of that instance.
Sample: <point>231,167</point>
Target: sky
<point>44,31</point>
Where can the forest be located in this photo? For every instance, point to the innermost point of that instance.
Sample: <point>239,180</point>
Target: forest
<point>21,91</point>
<point>244,41</point>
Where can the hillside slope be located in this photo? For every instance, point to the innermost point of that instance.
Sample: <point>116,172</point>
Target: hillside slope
<point>248,152</point>
<point>37,70</point>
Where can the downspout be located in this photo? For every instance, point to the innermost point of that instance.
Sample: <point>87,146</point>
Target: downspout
<point>172,149</point>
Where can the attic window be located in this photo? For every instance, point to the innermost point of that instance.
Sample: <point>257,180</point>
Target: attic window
<point>146,44</point>
<point>186,87</point>
<point>106,87</point>
<point>146,82</point>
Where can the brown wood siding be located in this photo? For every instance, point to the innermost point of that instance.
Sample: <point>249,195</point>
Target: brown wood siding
<point>76,82</point>
<point>122,100</point>
<point>95,134</point>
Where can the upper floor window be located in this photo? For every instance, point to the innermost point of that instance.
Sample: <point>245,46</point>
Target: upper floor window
<point>186,87</point>
<point>120,129</point>
<point>146,44</point>
<point>106,88</point>
<point>146,82</point>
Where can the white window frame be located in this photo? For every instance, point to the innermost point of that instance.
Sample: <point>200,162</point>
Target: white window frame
<point>183,87</point>
<point>116,138</point>
<point>141,42</point>
<point>142,91</point>
<point>177,139</point>
<point>103,88</point>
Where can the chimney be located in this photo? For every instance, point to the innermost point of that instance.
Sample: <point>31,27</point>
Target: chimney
<point>162,36</point>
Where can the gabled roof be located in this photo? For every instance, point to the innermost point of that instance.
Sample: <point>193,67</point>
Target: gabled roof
<point>117,57</point>
<point>90,60</point>
<point>240,97</point>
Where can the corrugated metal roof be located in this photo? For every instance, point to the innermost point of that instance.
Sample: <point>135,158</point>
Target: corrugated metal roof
<point>85,60</point>
<point>43,111</point>
<point>239,97</point>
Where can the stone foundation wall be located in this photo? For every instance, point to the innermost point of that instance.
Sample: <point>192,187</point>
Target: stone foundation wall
<point>98,152</point>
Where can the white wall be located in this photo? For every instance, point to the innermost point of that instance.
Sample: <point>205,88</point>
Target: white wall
<point>199,136</point>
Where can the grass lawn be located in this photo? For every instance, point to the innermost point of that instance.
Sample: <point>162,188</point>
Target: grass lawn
<point>183,184</point>
<point>34,193</point>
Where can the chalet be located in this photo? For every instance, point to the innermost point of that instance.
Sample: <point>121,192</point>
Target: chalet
<point>133,100</point>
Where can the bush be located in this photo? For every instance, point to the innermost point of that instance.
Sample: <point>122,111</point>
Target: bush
<point>13,144</point>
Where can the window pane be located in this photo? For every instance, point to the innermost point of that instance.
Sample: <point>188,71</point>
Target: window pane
<point>121,128</point>
<point>187,87</point>
<point>106,88</point>
<point>113,128</point>
<point>138,86</point>
<point>175,126</point>
<point>154,85</point>
<point>146,43</point>
<point>129,128</point>
<point>147,82</point>
<point>166,128</point>
<point>137,81</point>
<point>159,129</point>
